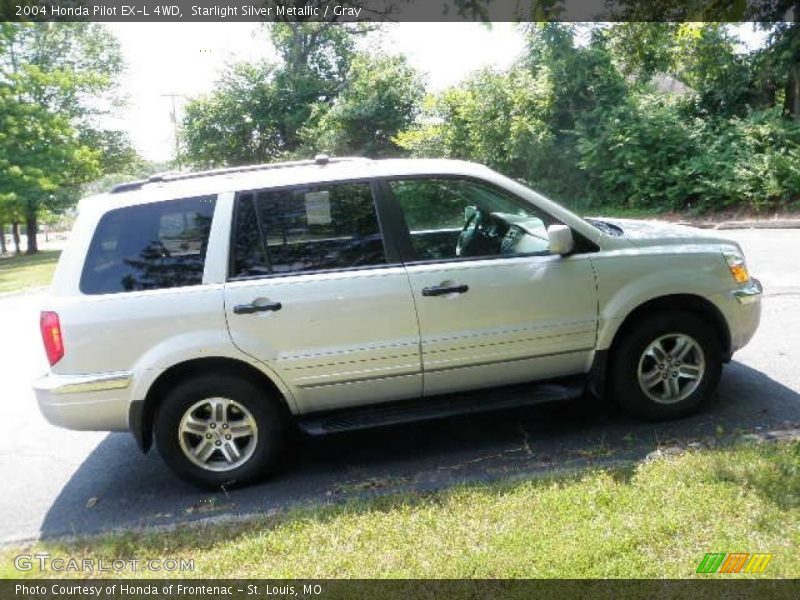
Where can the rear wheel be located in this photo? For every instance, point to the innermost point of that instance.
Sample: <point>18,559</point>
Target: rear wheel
<point>667,367</point>
<point>219,430</point>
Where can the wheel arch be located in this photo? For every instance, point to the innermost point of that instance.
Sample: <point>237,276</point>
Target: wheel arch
<point>672,302</point>
<point>142,413</point>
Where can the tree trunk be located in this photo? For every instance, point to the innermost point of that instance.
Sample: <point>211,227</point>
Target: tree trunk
<point>793,92</point>
<point>792,97</point>
<point>15,236</point>
<point>3,248</point>
<point>31,225</point>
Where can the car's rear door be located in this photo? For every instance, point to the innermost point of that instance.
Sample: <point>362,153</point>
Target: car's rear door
<point>313,292</point>
<point>503,311</point>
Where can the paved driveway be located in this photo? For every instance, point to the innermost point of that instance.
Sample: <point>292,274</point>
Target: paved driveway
<point>61,482</point>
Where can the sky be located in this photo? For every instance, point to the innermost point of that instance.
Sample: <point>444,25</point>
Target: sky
<point>169,62</point>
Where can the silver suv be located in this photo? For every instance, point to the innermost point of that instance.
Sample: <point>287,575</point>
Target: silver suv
<point>209,311</point>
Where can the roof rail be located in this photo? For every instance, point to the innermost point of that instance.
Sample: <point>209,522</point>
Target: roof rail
<point>320,159</point>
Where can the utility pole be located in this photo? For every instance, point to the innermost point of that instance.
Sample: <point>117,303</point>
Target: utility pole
<point>174,117</point>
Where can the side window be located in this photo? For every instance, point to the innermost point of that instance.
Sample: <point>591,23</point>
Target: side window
<point>451,218</point>
<point>249,257</point>
<point>306,229</point>
<point>149,246</point>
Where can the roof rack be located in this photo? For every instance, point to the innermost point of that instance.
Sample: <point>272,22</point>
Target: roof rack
<point>320,159</point>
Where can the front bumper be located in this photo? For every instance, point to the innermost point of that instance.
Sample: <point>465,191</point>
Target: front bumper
<point>749,293</point>
<point>93,402</point>
<point>742,310</point>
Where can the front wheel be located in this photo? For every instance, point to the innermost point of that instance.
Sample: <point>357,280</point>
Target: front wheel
<point>219,431</point>
<point>667,367</point>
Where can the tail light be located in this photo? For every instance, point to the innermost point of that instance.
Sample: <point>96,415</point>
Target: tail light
<point>51,335</point>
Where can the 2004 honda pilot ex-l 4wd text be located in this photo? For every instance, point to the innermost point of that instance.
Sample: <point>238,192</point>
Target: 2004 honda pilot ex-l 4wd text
<point>210,311</point>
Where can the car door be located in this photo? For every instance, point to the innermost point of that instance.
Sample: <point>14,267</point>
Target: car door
<point>494,305</point>
<point>313,293</point>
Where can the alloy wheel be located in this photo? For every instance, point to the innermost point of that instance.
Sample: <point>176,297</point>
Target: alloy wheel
<point>671,368</point>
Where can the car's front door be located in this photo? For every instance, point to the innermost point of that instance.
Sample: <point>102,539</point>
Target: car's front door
<point>494,306</point>
<point>312,293</point>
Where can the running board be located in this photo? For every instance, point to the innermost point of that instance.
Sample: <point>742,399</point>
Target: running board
<point>438,407</point>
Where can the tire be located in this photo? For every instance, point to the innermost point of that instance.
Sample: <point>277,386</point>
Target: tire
<point>233,414</point>
<point>642,373</point>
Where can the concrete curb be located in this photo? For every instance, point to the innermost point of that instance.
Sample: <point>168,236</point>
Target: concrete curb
<point>746,224</point>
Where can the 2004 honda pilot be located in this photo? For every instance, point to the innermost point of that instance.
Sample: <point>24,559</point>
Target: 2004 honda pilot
<point>210,310</point>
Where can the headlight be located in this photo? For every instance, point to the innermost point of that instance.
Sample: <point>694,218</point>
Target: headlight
<point>737,265</point>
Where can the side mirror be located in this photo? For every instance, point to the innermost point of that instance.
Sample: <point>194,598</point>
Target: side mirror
<point>560,238</point>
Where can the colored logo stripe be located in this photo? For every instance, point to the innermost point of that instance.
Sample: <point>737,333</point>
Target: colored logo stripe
<point>711,562</point>
<point>734,562</point>
<point>757,563</point>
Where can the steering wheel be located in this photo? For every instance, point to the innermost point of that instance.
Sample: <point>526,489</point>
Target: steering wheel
<point>468,232</point>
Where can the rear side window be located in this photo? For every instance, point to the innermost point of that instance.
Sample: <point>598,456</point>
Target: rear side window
<point>149,246</point>
<point>306,229</point>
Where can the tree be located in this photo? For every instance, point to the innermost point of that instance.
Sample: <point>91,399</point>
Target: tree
<point>380,99</point>
<point>117,154</point>
<point>702,56</point>
<point>777,66</point>
<point>238,123</point>
<point>499,119</point>
<point>256,112</point>
<point>523,121</point>
<point>316,58</point>
<point>39,155</point>
<point>642,50</point>
<point>54,80</point>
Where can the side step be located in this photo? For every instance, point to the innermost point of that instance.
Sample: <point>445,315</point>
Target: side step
<point>437,407</point>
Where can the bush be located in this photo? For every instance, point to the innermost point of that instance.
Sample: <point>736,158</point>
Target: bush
<point>566,121</point>
<point>652,153</point>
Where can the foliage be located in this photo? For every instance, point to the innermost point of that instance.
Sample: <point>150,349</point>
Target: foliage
<point>648,153</point>
<point>257,111</point>
<point>589,124</point>
<point>522,121</point>
<point>775,68</point>
<point>54,80</point>
<point>379,99</point>
<point>39,156</point>
<point>633,115</point>
<point>238,123</point>
<point>499,119</point>
<point>702,56</point>
<point>778,67</point>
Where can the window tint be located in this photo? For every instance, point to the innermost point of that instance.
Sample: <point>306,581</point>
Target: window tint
<point>306,229</point>
<point>249,257</point>
<point>457,218</point>
<point>149,246</point>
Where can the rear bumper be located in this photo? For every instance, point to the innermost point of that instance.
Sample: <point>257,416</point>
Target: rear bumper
<point>94,402</point>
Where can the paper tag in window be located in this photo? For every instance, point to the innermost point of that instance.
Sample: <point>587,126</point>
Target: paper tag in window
<point>318,208</point>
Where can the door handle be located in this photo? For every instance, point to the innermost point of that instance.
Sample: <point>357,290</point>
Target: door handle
<point>249,309</point>
<point>440,290</point>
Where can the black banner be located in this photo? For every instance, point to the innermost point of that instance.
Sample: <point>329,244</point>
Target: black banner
<point>399,10</point>
<point>390,589</point>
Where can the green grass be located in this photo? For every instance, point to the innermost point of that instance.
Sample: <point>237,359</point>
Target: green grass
<point>656,519</point>
<point>18,273</point>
